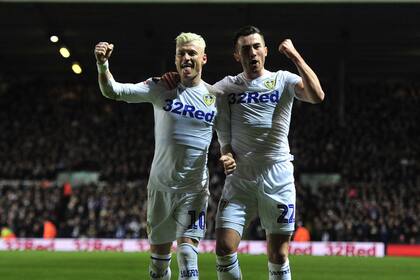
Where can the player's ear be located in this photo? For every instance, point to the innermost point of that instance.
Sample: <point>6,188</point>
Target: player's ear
<point>265,51</point>
<point>204,59</point>
<point>236,56</point>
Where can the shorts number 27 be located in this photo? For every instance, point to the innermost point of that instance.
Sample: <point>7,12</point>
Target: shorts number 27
<point>282,219</point>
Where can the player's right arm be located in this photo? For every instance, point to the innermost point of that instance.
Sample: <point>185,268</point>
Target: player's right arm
<point>228,159</point>
<point>103,51</point>
<point>223,126</point>
<point>112,89</point>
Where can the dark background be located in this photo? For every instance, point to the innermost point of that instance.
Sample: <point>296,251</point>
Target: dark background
<point>356,40</point>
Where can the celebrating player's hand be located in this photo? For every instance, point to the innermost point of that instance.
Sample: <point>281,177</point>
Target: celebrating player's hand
<point>103,51</point>
<point>170,80</point>
<point>229,163</point>
<point>286,47</point>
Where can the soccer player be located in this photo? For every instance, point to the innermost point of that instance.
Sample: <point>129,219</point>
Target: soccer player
<point>263,182</point>
<point>178,181</point>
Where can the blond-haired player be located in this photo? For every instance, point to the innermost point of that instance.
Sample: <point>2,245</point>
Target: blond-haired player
<point>178,181</point>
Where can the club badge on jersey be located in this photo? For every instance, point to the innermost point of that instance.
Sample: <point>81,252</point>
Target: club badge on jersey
<point>270,84</point>
<point>209,99</point>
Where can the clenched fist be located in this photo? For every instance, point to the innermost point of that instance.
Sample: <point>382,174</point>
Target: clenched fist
<point>229,164</point>
<point>103,51</point>
<point>286,47</point>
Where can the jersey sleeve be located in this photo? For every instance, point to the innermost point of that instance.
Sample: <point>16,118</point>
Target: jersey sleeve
<point>146,91</point>
<point>291,80</point>
<point>223,121</point>
<point>222,124</point>
<point>223,85</point>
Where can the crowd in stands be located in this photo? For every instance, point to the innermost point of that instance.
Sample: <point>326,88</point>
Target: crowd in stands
<point>47,129</point>
<point>110,211</point>
<point>370,139</point>
<point>386,212</point>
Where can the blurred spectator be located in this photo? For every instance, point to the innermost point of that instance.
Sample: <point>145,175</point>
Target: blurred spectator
<point>301,234</point>
<point>50,230</point>
<point>7,233</point>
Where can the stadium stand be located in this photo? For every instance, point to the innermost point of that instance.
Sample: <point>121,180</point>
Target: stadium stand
<point>370,140</point>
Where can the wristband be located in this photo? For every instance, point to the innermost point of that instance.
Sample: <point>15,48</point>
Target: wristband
<point>102,67</point>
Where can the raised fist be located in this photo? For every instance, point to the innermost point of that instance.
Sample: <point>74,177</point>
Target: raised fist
<point>286,47</point>
<point>103,51</point>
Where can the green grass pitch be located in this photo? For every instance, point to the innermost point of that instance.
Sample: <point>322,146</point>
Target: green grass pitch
<point>133,266</point>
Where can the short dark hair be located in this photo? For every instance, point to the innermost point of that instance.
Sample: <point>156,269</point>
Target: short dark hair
<point>245,31</point>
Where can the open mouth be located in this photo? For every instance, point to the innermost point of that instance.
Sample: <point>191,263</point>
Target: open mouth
<point>186,65</point>
<point>254,62</point>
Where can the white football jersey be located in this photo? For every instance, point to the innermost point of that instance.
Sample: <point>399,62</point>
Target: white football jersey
<point>184,119</point>
<point>260,112</point>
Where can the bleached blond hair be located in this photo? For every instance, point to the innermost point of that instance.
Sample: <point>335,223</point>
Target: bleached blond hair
<point>188,37</point>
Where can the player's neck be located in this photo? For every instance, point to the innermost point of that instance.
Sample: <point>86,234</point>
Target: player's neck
<point>191,82</point>
<point>254,75</point>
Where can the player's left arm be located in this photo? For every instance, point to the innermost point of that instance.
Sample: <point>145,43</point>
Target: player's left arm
<point>309,89</point>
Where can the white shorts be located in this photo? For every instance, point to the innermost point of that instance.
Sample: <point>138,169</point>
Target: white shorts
<point>267,192</point>
<point>174,215</point>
